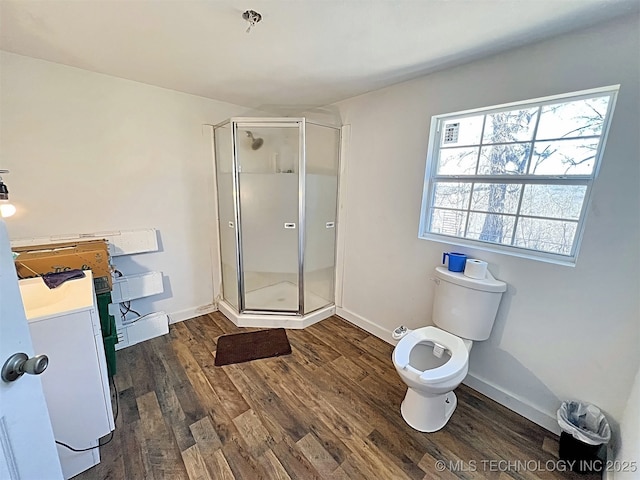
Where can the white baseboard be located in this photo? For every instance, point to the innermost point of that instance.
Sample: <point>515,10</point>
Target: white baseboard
<point>367,325</point>
<point>546,420</point>
<point>513,402</point>
<point>188,313</point>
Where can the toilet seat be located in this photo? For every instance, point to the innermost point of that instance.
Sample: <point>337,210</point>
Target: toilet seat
<point>457,348</point>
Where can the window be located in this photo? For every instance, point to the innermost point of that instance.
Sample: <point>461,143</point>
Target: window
<point>516,178</point>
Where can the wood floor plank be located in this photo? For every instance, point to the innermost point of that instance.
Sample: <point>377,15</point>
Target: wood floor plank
<point>205,330</point>
<point>168,400</point>
<point>205,393</point>
<point>233,402</point>
<point>321,460</point>
<point>360,464</point>
<point>177,376</point>
<point>312,348</point>
<point>354,427</point>
<point>123,375</point>
<point>142,439</point>
<point>294,462</point>
<point>347,345</point>
<point>226,326</point>
<point>128,408</point>
<point>350,370</point>
<point>354,472</point>
<point>330,410</point>
<point>111,463</point>
<point>366,452</point>
<point>305,418</point>
<point>219,467</point>
<point>162,451</point>
<point>253,432</point>
<point>240,460</point>
<point>194,463</point>
<point>375,365</point>
<point>132,448</point>
<point>308,388</point>
<point>339,327</point>
<point>375,346</point>
<point>205,435</point>
<point>550,446</point>
<point>387,420</point>
<point>395,452</point>
<point>141,378</point>
<point>339,474</point>
<point>433,472</point>
<point>272,467</point>
<point>276,413</point>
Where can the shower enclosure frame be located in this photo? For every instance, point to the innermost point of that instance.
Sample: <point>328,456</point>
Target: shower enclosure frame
<point>243,316</point>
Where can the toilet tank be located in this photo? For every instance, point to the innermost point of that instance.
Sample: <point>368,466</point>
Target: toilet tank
<point>465,306</point>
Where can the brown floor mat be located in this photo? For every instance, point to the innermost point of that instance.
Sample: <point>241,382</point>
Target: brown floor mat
<point>244,347</point>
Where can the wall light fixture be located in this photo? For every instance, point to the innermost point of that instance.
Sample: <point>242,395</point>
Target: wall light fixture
<point>6,208</point>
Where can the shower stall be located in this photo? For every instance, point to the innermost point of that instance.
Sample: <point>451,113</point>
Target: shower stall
<point>277,187</point>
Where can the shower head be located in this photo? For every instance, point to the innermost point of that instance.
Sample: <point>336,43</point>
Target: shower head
<point>256,143</point>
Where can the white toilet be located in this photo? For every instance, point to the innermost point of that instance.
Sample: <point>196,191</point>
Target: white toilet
<point>433,361</point>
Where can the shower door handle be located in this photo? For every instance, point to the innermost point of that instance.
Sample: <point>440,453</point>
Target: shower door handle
<point>289,225</point>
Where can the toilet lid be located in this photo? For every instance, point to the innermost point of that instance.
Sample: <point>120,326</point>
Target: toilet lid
<point>455,345</point>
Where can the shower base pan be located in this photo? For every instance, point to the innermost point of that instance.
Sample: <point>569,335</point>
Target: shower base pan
<point>276,297</point>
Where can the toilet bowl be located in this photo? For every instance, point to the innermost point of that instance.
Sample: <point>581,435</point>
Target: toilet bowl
<point>432,362</point>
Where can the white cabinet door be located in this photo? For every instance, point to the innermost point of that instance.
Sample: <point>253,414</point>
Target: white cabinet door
<point>27,448</point>
<point>79,406</point>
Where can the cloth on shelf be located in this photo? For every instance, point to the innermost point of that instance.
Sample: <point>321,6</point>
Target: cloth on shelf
<point>53,280</point>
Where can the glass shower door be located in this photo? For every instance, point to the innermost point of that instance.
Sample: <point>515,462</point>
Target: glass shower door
<point>321,192</point>
<point>226,213</point>
<point>267,157</point>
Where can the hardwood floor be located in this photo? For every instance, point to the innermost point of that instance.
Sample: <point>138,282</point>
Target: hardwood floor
<point>330,410</point>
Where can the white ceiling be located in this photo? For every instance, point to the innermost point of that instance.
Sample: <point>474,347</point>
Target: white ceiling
<point>302,53</point>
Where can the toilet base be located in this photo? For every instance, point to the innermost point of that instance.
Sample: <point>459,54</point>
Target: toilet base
<point>427,413</point>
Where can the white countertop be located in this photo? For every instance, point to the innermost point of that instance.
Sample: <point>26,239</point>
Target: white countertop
<point>41,301</point>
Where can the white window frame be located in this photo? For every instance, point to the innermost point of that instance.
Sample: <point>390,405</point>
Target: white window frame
<point>431,176</point>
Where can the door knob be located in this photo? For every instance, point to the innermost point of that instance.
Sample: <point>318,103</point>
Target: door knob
<point>20,363</point>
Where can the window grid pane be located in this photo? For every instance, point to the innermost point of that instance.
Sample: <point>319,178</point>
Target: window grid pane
<point>448,222</point>
<point>451,195</point>
<point>495,197</point>
<point>553,201</point>
<point>504,159</point>
<point>564,157</point>
<point>488,227</point>
<point>551,236</point>
<point>577,118</point>
<point>539,204</point>
<point>510,126</point>
<point>458,161</point>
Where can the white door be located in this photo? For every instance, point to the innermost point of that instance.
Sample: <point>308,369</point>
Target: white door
<point>27,446</point>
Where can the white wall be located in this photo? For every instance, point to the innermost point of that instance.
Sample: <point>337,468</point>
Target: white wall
<point>561,332</point>
<point>89,152</point>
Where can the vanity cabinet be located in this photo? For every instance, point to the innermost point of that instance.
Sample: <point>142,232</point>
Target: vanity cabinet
<point>64,325</point>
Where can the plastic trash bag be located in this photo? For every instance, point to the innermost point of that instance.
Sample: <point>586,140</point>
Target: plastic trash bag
<point>585,422</point>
